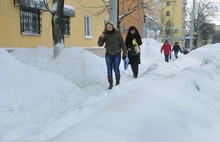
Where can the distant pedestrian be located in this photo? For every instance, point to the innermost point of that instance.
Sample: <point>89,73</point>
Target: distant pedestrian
<point>133,42</point>
<point>176,49</point>
<point>166,48</point>
<point>114,43</point>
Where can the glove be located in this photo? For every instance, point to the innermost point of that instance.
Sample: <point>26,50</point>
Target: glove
<point>123,56</point>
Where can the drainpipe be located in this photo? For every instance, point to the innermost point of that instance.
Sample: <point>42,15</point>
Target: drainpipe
<point>114,12</point>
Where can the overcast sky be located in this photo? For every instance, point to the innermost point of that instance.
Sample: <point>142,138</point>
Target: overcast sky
<point>217,3</point>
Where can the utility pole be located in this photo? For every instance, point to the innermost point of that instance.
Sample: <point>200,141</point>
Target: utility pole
<point>192,25</point>
<point>114,12</point>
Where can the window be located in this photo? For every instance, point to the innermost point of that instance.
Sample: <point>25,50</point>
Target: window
<point>88,26</point>
<point>168,23</point>
<point>66,27</point>
<point>168,3</point>
<point>16,2</point>
<point>167,32</point>
<point>30,21</point>
<point>167,13</point>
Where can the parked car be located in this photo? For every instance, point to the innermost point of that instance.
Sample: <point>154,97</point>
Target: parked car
<point>185,51</point>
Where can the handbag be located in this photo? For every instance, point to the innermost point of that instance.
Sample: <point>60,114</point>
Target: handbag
<point>126,63</point>
<point>136,48</point>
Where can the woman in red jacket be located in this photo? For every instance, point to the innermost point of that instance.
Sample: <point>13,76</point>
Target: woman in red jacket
<point>167,50</point>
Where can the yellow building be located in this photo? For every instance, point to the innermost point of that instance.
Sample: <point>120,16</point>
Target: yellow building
<point>27,23</point>
<point>173,20</point>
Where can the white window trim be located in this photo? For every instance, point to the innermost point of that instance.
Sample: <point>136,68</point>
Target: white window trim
<point>88,37</point>
<point>86,26</point>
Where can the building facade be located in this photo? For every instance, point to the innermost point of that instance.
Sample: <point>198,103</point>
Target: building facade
<point>27,23</point>
<point>152,24</point>
<point>173,21</point>
<point>137,14</point>
<point>217,27</point>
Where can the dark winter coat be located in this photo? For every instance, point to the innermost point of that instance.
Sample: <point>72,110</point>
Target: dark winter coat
<point>113,42</point>
<point>133,59</point>
<point>176,48</point>
<point>166,48</point>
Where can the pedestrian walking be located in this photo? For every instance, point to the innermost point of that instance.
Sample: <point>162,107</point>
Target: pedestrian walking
<point>133,42</point>
<point>166,48</point>
<point>114,44</point>
<point>176,49</point>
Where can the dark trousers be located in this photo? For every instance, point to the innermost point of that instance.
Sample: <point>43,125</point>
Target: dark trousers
<point>166,58</point>
<point>134,68</point>
<point>176,54</point>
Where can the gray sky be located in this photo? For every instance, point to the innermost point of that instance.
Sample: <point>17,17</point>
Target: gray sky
<point>217,3</point>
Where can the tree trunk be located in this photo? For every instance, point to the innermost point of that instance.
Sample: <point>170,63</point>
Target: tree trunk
<point>198,40</point>
<point>57,27</point>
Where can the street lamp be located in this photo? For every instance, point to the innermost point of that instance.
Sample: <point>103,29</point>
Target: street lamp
<point>192,25</point>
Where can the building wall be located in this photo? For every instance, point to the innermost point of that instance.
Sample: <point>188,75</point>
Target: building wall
<point>217,27</point>
<point>137,17</point>
<point>10,32</point>
<point>176,18</point>
<point>152,25</point>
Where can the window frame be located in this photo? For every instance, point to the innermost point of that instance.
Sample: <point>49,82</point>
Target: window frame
<point>87,26</point>
<point>167,13</point>
<point>66,24</point>
<point>167,3</point>
<point>29,14</point>
<point>16,2</point>
<point>168,23</point>
<point>168,32</point>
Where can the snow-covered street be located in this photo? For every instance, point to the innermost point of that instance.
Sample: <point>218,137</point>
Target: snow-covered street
<point>66,99</point>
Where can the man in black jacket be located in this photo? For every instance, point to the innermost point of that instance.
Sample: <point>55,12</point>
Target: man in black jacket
<point>176,49</point>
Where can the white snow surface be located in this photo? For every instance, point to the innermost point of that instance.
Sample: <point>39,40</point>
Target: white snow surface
<point>66,99</point>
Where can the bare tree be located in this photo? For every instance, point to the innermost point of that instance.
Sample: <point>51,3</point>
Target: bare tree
<point>205,11</point>
<point>207,32</point>
<point>134,5</point>
<point>57,24</point>
<point>57,27</point>
<point>101,7</point>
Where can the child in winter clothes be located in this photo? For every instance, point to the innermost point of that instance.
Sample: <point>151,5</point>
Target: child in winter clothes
<point>167,50</point>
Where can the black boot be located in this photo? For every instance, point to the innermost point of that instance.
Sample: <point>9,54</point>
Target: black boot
<point>133,70</point>
<point>117,80</point>
<point>135,66</point>
<point>110,81</point>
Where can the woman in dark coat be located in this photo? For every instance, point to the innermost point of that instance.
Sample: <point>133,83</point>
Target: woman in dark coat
<point>134,59</point>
